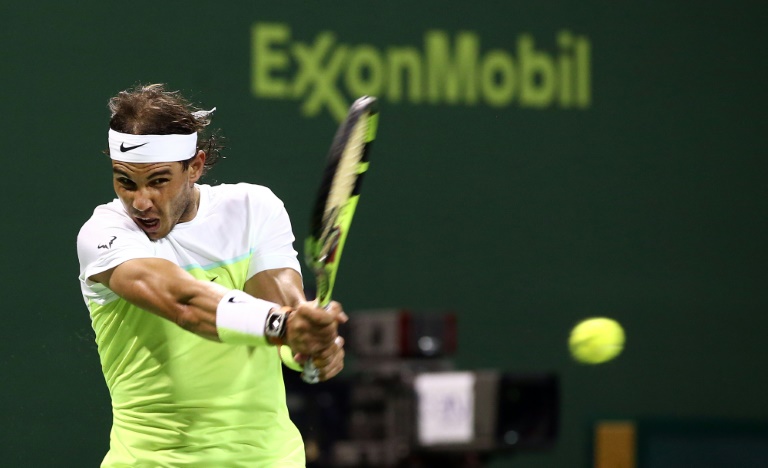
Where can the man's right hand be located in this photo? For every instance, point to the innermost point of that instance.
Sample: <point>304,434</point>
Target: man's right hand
<point>312,329</point>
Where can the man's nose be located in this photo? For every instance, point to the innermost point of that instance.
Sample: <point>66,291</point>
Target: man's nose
<point>141,201</point>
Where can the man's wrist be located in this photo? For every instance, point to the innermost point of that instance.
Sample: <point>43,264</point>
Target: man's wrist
<point>276,325</point>
<point>241,318</point>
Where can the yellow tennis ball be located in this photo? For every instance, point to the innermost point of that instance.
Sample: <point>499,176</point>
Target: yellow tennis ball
<point>286,355</point>
<point>596,340</point>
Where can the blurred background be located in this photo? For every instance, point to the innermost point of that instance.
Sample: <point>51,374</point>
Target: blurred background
<point>537,163</point>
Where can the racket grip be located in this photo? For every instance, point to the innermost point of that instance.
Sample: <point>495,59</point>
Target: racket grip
<point>311,374</point>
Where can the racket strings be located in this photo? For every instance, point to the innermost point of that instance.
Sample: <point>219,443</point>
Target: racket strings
<point>343,184</point>
<point>347,171</point>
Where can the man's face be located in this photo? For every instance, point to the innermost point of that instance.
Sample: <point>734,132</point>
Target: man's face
<point>157,196</point>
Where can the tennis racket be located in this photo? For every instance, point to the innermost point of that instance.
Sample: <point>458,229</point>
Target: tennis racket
<point>336,201</point>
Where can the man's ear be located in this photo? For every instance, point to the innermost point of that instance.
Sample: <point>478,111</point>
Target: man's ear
<point>196,167</point>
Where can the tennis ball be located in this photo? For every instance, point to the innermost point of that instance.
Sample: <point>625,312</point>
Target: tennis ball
<point>596,340</point>
<point>286,355</point>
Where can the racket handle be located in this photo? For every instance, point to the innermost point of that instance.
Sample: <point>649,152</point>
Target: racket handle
<point>311,374</point>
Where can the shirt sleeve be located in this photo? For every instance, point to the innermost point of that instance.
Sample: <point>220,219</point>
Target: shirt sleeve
<point>273,237</point>
<point>106,241</point>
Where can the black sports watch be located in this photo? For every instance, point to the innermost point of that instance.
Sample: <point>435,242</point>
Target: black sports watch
<point>275,326</point>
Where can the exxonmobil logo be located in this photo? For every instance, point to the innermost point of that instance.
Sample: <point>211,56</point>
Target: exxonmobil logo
<point>326,73</point>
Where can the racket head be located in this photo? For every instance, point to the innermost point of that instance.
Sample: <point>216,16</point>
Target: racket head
<point>337,196</point>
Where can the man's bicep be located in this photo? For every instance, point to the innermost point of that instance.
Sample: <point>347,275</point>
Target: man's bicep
<point>144,280</point>
<point>280,285</point>
<point>128,273</point>
<point>102,277</point>
<point>130,279</point>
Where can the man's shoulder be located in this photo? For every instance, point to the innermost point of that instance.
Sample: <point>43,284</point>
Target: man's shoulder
<point>240,189</point>
<point>251,194</point>
<point>110,215</point>
<point>113,209</point>
<point>110,235</point>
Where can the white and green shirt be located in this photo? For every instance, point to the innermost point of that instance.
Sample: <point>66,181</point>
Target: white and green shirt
<point>179,400</point>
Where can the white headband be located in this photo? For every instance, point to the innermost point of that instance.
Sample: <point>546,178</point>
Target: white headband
<point>130,148</point>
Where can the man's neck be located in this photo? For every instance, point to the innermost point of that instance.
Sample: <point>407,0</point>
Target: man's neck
<point>193,207</point>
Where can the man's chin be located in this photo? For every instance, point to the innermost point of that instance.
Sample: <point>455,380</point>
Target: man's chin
<point>154,234</point>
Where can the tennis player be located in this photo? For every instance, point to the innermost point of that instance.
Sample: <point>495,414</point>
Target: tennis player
<point>191,290</point>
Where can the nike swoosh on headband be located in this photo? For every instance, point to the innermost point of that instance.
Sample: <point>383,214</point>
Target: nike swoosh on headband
<point>124,148</point>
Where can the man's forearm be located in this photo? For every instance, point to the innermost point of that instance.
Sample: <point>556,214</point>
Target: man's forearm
<point>282,285</point>
<point>165,289</point>
<point>201,307</point>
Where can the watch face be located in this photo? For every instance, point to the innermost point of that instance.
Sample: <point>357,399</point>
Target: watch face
<point>275,324</point>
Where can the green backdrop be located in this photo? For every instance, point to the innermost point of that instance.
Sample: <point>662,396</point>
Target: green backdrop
<point>537,163</point>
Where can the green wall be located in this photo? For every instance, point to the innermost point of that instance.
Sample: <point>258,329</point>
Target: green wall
<point>553,160</point>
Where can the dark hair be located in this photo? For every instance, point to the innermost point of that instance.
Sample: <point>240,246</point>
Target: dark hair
<point>152,110</point>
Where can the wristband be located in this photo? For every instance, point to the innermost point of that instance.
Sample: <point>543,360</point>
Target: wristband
<point>241,318</point>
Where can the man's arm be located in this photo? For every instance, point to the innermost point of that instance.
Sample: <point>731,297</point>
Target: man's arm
<point>283,286</point>
<point>165,289</point>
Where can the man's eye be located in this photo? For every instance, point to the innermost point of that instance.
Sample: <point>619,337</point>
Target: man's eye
<point>127,183</point>
<point>159,182</point>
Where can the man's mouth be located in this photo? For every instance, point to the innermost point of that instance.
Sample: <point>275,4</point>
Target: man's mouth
<point>148,224</point>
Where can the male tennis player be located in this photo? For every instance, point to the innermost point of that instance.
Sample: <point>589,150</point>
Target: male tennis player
<point>191,289</point>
